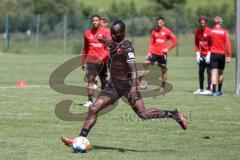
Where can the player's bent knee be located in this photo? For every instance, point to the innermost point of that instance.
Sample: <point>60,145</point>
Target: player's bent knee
<point>91,79</point>
<point>94,109</point>
<point>96,106</point>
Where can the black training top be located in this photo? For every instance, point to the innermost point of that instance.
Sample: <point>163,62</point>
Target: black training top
<point>120,55</point>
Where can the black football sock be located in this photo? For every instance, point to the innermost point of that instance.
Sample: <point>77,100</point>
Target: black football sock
<point>90,98</point>
<point>219,87</point>
<point>84,132</point>
<point>209,80</point>
<point>201,77</point>
<point>214,87</point>
<point>201,85</point>
<point>209,87</point>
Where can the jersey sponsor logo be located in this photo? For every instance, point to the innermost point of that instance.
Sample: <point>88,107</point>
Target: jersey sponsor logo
<point>160,40</point>
<point>218,31</point>
<point>97,45</point>
<point>163,33</point>
<point>57,79</point>
<point>131,55</point>
<point>203,42</point>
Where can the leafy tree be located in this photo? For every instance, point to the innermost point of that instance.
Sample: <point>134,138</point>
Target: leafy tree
<point>170,4</point>
<point>54,7</point>
<point>121,10</point>
<point>212,10</point>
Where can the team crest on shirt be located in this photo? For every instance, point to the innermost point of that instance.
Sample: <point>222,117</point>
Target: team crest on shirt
<point>131,55</point>
<point>205,35</point>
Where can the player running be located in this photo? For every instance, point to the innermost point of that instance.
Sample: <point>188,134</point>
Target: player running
<point>94,56</point>
<point>158,49</point>
<point>220,53</point>
<point>202,48</point>
<point>123,82</point>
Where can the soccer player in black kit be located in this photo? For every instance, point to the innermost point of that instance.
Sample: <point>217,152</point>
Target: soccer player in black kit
<point>123,82</point>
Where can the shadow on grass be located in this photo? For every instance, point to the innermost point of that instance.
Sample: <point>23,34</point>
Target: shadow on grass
<point>96,147</point>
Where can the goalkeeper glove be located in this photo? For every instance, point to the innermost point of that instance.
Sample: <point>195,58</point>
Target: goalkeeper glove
<point>207,58</point>
<point>198,57</point>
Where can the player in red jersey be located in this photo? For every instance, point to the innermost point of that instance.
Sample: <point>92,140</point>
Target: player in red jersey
<point>104,25</point>
<point>202,48</point>
<point>220,54</point>
<point>123,83</point>
<point>94,56</point>
<point>158,49</point>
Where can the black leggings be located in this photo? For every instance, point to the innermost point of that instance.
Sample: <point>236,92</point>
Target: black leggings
<point>202,66</point>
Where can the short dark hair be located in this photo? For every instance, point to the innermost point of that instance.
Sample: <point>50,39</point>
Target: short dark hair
<point>159,18</point>
<point>121,24</point>
<point>202,18</point>
<point>95,15</point>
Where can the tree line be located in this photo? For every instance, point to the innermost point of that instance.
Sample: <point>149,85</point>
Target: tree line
<point>178,17</point>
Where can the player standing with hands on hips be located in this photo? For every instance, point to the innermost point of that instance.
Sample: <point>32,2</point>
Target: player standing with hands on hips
<point>158,50</point>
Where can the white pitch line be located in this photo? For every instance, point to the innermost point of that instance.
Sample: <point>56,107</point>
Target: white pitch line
<point>228,122</point>
<point>17,114</point>
<point>30,86</point>
<point>41,98</point>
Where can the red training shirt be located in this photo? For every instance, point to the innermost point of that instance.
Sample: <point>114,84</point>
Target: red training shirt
<point>220,41</point>
<point>93,49</point>
<point>202,40</point>
<point>159,41</point>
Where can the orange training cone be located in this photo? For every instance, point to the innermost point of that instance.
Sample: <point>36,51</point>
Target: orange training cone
<point>21,84</point>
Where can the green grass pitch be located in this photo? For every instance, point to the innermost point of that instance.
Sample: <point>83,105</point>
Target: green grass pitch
<point>31,130</point>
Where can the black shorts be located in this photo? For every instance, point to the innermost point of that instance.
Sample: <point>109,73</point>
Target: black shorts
<point>217,61</point>
<point>96,69</point>
<point>161,60</point>
<point>115,93</point>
